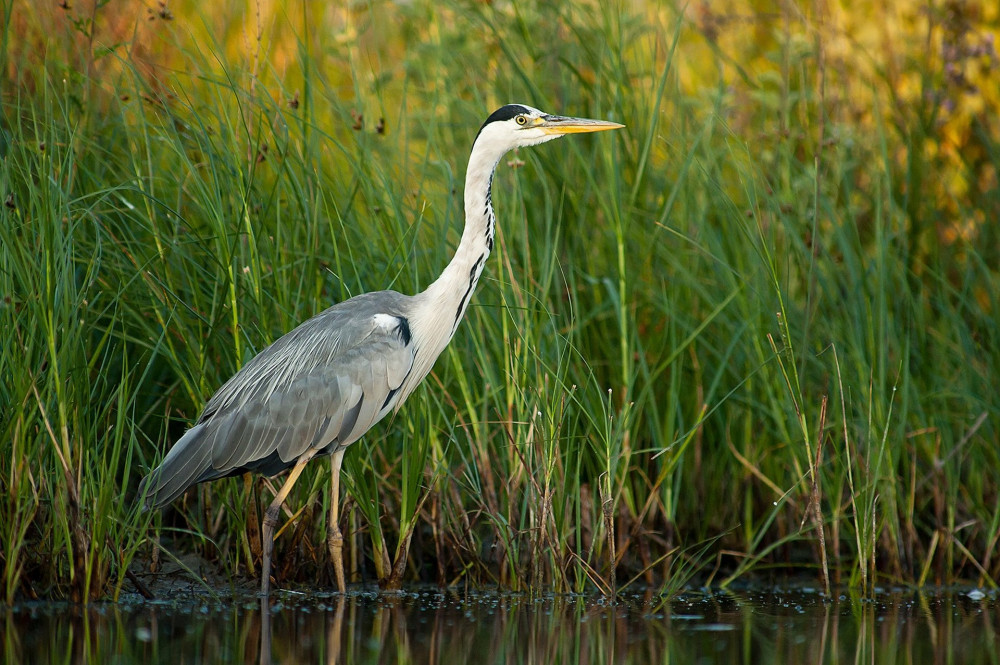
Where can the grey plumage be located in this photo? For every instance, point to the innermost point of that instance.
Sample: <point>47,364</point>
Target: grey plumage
<point>320,387</point>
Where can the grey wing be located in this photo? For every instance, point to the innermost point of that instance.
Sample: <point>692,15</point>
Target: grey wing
<point>323,384</point>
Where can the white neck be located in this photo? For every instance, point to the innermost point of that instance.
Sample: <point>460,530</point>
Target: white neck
<point>448,297</point>
<point>435,313</point>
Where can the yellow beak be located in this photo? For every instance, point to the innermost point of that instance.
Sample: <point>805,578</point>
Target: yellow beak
<point>557,124</point>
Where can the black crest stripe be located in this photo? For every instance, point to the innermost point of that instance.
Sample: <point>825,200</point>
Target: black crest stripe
<point>503,113</point>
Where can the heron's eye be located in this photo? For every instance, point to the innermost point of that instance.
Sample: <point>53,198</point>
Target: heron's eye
<point>521,120</point>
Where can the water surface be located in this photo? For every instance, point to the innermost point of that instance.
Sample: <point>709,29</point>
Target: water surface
<point>428,625</point>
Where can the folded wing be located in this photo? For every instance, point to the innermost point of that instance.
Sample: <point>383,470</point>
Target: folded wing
<point>318,388</point>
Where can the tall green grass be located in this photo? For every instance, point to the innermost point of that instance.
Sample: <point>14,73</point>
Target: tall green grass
<point>713,346</point>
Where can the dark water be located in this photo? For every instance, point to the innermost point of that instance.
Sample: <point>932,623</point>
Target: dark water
<point>434,626</point>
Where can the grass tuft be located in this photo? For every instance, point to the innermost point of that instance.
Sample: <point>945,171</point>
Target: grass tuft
<point>751,335</point>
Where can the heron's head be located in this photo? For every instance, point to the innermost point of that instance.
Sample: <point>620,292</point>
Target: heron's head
<point>518,126</point>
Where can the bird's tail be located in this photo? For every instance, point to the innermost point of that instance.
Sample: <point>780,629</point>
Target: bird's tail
<point>183,466</point>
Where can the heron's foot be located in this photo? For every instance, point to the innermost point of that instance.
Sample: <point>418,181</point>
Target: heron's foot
<point>335,543</point>
<point>270,524</point>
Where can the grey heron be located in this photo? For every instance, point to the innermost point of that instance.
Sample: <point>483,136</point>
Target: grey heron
<point>320,387</point>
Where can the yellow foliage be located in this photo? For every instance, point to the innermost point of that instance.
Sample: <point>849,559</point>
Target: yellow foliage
<point>927,69</point>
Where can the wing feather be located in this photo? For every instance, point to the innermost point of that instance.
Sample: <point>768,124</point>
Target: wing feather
<point>177,471</point>
<point>326,382</point>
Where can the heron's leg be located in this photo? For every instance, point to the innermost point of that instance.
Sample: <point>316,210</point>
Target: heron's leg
<point>271,521</point>
<point>334,539</point>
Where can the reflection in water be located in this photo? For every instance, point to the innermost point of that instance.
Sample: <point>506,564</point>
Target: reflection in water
<point>431,626</point>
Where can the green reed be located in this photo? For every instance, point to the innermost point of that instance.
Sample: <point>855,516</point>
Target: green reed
<point>712,345</point>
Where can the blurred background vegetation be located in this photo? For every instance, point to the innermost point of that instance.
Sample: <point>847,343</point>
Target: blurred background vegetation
<point>754,334</point>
